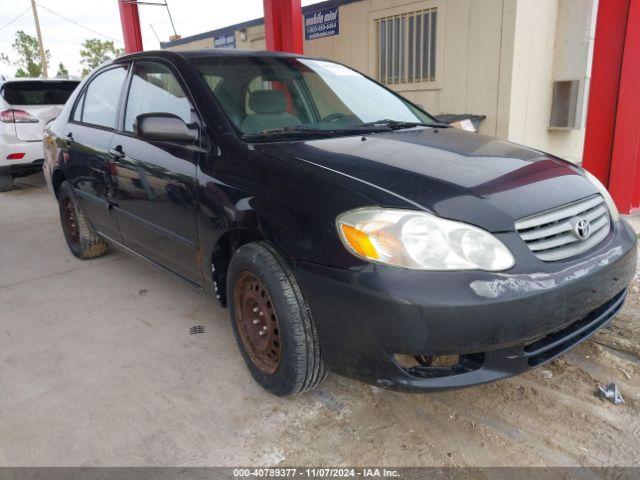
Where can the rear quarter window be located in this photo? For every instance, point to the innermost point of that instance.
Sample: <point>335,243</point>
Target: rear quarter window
<point>37,93</point>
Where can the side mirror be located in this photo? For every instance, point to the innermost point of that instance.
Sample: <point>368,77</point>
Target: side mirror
<point>164,127</point>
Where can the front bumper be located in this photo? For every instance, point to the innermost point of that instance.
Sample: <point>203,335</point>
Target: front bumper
<point>30,163</point>
<point>499,324</point>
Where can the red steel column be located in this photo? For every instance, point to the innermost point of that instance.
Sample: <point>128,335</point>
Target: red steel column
<point>283,25</point>
<point>272,30</point>
<point>612,141</point>
<point>130,21</point>
<point>605,81</point>
<point>624,178</point>
<point>292,27</point>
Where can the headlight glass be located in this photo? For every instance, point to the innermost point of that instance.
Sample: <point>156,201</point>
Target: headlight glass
<point>613,210</point>
<point>420,241</point>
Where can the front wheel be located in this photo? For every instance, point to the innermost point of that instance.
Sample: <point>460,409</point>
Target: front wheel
<point>82,239</point>
<point>272,322</point>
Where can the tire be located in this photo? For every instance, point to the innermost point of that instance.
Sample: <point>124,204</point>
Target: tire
<point>6,183</point>
<point>81,237</point>
<point>259,276</point>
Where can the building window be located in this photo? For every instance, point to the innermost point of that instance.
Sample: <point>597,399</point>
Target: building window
<point>407,47</point>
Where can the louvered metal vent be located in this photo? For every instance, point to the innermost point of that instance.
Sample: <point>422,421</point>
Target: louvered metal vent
<point>566,231</point>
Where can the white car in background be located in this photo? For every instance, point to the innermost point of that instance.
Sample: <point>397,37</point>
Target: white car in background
<point>26,105</point>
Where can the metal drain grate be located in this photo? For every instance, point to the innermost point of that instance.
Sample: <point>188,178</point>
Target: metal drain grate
<point>197,330</point>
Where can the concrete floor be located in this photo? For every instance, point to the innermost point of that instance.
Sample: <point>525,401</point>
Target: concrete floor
<point>97,368</point>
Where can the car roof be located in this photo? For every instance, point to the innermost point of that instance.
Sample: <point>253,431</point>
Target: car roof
<point>208,53</point>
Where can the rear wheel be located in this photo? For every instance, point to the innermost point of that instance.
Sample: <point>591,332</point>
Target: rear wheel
<point>82,239</point>
<point>272,322</point>
<point>6,183</point>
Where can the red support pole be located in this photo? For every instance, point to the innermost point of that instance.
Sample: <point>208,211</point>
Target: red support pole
<point>292,27</point>
<point>283,25</point>
<point>130,21</point>
<point>605,82</point>
<point>272,29</point>
<point>624,177</point>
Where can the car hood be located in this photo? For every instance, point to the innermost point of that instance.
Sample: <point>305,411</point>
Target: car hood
<point>455,174</point>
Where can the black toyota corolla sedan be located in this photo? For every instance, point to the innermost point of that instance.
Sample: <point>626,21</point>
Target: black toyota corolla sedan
<point>345,229</point>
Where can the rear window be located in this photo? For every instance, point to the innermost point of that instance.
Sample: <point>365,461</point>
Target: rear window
<point>37,93</point>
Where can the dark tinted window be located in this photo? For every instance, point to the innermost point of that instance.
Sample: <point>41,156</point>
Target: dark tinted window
<point>37,93</point>
<point>154,89</point>
<point>101,98</point>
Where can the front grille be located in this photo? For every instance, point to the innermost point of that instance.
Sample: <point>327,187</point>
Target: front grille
<point>553,235</point>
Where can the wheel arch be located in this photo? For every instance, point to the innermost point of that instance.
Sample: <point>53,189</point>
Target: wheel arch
<point>57,178</point>
<point>221,253</point>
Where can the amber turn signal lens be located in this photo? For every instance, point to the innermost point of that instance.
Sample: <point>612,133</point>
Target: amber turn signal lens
<point>360,242</point>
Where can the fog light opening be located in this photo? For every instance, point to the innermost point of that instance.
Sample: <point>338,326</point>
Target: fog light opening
<point>406,361</point>
<point>438,360</point>
<point>434,366</point>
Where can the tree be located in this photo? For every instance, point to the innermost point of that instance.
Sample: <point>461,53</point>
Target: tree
<point>4,59</point>
<point>62,71</point>
<point>26,48</point>
<point>95,52</point>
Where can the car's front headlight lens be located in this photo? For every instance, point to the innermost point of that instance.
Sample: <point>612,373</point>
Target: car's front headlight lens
<point>613,210</point>
<point>420,241</point>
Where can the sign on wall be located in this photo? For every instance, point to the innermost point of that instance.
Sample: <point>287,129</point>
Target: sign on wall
<point>321,23</point>
<point>228,40</point>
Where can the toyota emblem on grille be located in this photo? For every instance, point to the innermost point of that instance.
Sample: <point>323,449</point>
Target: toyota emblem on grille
<point>583,228</point>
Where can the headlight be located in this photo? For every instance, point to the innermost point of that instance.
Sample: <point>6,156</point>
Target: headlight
<point>613,210</point>
<point>420,241</point>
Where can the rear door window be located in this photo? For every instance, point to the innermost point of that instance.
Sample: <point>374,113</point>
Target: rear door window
<point>37,92</point>
<point>101,98</point>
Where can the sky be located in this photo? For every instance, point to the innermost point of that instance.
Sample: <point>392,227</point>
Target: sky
<point>101,19</point>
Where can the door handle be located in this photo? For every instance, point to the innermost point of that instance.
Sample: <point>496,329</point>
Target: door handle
<point>117,153</point>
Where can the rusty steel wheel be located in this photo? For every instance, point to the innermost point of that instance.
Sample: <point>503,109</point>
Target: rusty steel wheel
<point>272,321</point>
<point>70,220</point>
<point>81,237</point>
<point>257,322</point>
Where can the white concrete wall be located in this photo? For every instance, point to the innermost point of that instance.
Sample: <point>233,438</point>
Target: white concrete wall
<point>254,38</point>
<point>552,41</point>
<point>575,33</point>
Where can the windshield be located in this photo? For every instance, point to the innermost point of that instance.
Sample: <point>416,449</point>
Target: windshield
<point>266,95</point>
<point>37,93</point>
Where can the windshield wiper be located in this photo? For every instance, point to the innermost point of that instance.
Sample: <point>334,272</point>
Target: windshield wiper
<point>398,124</point>
<point>305,130</point>
<point>289,131</point>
